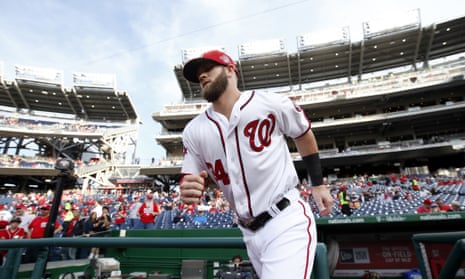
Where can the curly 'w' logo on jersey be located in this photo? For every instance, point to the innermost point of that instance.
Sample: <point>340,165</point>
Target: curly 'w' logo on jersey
<point>259,132</point>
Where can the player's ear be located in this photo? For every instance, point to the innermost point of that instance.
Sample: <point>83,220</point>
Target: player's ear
<point>232,74</point>
<point>231,70</point>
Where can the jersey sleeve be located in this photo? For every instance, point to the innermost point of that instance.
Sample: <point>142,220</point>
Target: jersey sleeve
<point>293,121</point>
<point>192,162</point>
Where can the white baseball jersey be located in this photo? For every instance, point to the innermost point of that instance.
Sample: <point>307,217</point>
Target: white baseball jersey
<point>247,155</point>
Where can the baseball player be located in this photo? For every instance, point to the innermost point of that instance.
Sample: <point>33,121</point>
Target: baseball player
<point>239,142</point>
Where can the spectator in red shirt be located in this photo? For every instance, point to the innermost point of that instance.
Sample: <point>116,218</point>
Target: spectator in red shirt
<point>12,232</point>
<point>38,224</point>
<point>3,224</point>
<point>408,196</point>
<point>443,207</point>
<point>425,207</point>
<point>148,212</point>
<point>75,228</point>
<point>213,209</point>
<point>120,217</point>
<point>189,209</point>
<point>37,230</point>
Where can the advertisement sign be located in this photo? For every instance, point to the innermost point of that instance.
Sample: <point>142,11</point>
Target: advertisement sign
<point>380,255</point>
<point>389,258</point>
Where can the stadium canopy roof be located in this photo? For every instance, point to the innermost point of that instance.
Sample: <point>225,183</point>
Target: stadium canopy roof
<point>393,48</point>
<point>90,103</point>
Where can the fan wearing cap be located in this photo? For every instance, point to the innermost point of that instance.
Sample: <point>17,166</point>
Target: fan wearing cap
<point>147,212</point>
<point>456,206</point>
<point>13,231</point>
<point>26,218</point>
<point>425,207</point>
<point>37,230</point>
<point>239,143</point>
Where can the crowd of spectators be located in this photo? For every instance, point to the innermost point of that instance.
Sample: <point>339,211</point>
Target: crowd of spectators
<point>398,194</point>
<point>14,161</point>
<point>9,121</point>
<point>85,215</point>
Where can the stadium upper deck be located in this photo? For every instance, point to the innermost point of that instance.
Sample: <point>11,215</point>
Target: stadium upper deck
<point>400,102</point>
<point>36,91</point>
<point>92,121</point>
<point>403,46</point>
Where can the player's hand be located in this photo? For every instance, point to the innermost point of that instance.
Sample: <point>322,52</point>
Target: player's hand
<point>192,187</point>
<point>323,199</point>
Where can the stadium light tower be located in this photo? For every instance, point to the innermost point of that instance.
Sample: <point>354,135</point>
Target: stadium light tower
<point>391,23</point>
<point>261,48</point>
<point>324,38</point>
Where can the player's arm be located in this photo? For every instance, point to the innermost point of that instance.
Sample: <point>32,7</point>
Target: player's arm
<point>293,122</point>
<point>308,150</point>
<point>194,177</point>
<point>306,144</point>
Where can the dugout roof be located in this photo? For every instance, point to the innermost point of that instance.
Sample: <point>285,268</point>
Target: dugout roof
<point>383,51</point>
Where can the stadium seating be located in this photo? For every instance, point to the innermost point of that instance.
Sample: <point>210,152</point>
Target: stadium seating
<point>377,206</point>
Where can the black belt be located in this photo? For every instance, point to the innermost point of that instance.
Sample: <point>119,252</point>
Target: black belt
<point>260,220</point>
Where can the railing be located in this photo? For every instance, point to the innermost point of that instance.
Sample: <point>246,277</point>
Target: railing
<point>10,268</point>
<point>86,170</point>
<point>454,260</point>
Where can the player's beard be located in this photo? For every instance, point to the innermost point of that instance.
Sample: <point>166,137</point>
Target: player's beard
<point>216,88</point>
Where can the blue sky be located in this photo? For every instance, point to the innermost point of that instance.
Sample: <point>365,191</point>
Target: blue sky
<point>140,41</point>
